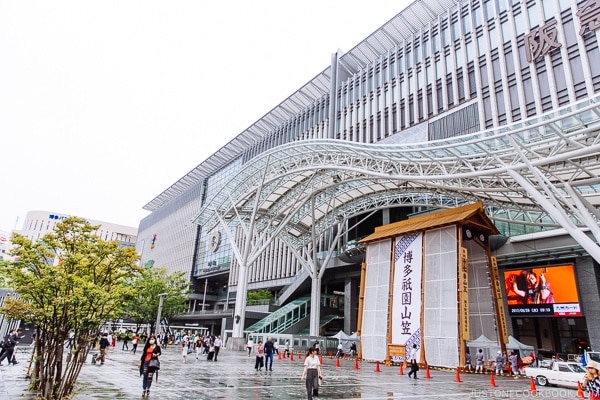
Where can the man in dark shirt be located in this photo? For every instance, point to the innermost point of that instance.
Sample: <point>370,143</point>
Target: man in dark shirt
<point>10,342</point>
<point>269,350</point>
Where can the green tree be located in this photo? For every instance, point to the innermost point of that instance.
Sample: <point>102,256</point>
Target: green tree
<point>258,295</point>
<point>4,279</point>
<point>68,280</point>
<point>142,305</point>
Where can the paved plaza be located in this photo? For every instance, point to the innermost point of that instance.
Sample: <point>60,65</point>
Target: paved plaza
<point>233,378</point>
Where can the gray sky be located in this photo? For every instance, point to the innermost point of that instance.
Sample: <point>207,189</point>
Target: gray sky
<point>105,104</point>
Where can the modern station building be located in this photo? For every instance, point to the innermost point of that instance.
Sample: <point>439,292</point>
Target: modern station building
<point>450,103</point>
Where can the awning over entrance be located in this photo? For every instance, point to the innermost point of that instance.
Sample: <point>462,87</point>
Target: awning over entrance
<point>471,214</point>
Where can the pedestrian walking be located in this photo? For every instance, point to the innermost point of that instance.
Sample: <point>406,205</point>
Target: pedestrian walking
<point>217,345</point>
<point>311,374</point>
<point>11,340</point>
<point>184,349</point>
<point>479,362</point>
<point>414,365</point>
<point>249,346</point>
<point>260,356</point>
<point>149,364</point>
<point>269,351</point>
<point>500,360</point>
<point>514,364</point>
<point>468,362</point>
<point>134,343</point>
<point>125,341</point>
<point>340,350</point>
<point>104,343</point>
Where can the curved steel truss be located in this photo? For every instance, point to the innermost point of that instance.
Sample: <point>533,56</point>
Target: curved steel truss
<point>543,171</point>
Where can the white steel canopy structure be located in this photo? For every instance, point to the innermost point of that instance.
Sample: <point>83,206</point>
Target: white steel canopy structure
<point>543,171</point>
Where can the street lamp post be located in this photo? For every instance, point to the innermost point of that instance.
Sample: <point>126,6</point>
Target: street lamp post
<point>160,304</point>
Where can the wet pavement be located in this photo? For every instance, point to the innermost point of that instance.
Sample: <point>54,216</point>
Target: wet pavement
<point>233,378</point>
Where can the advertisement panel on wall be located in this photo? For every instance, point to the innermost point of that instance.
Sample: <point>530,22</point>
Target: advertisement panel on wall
<point>543,291</point>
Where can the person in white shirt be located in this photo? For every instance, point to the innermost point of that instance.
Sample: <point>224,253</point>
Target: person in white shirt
<point>312,373</point>
<point>414,366</point>
<point>249,346</point>
<point>217,345</point>
<point>340,350</point>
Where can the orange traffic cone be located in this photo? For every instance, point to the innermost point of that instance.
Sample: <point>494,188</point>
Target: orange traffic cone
<point>299,356</point>
<point>321,359</point>
<point>279,356</point>
<point>532,385</point>
<point>427,373</point>
<point>345,357</point>
<point>580,394</point>
<point>377,366</point>
<point>291,356</point>
<point>457,379</point>
<point>331,355</point>
<point>401,372</point>
<point>337,362</point>
<point>356,364</point>
<point>492,380</point>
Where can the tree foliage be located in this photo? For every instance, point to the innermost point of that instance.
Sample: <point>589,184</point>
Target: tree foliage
<point>68,280</point>
<point>260,294</point>
<point>4,279</point>
<point>142,305</point>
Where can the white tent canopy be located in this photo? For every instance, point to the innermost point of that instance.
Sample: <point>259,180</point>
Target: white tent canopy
<point>346,340</point>
<point>514,344</point>
<point>482,342</point>
<point>488,346</point>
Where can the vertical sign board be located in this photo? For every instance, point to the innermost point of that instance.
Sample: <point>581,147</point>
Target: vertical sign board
<point>501,316</point>
<point>406,303</point>
<point>463,290</point>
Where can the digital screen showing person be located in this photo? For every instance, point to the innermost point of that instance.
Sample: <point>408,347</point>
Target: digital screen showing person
<point>549,290</point>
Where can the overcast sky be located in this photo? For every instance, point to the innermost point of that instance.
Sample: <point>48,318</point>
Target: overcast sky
<point>105,104</point>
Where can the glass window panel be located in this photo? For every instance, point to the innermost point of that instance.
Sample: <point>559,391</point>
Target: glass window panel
<point>429,72</point>
<point>445,37</point>
<point>471,51</point>
<point>493,39</point>
<point>478,17</point>
<point>510,66</point>
<point>436,43</point>
<point>502,5</point>
<point>559,77</point>
<point>455,30</point>
<point>481,44</point>
<point>466,21</point>
<point>577,70</point>
<point>489,10</point>
<point>534,15</point>
<point>519,24</point>
<point>550,9</point>
<point>506,33</point>
<point>570,35</point>
<point>459,57</point>
<point>564,4</point>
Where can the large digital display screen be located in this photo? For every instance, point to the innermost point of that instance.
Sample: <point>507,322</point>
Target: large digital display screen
<point>543,291</point>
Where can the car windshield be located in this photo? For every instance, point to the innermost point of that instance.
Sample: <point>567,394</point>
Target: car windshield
<point>577,368</point>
